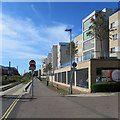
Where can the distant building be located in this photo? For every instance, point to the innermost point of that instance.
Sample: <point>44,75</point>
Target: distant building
<point>49,58</point>
<point>54,57</point>
<point>44,63</point>
<point>114,43</point>
<point>8,70</point>
<point>62,57</point>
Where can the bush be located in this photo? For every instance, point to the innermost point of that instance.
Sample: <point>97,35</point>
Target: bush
<point>106,87</point>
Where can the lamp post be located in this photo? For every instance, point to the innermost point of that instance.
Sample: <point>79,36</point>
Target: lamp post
<point>70,59</point>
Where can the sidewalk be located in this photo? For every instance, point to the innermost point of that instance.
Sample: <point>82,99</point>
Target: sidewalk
<point>95,94</point>
<point>49,104</point>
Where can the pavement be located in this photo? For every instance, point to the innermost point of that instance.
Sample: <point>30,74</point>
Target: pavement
<point>16,90</point>
<point>95,94</point>
<point>49,104</point>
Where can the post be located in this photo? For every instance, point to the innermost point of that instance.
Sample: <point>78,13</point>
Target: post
<point>70,61</point>
<point>32,84</point>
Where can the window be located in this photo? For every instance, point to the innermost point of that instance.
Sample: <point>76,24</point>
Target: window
<point>88,55</point>
<point>76,59</point>
<point>80,59</point>
<point>113,50</point>
<point>77,43</point>
<point>113,25</point>
<point>115,37</point>
<point>88,44</point>
<point>88,23</point>
<point>85,36</point>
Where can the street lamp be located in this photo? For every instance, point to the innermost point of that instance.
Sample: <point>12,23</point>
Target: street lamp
<point>70,59</point>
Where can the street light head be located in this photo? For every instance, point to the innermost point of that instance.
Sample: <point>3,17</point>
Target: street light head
<point>68,29</point>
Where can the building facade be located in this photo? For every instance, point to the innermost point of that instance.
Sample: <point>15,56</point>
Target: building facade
<point>114,41</point>
<point>49,58</point>
<point>54,57</point>
<point>79,46</point>
<point>62,57</point>
<point>44,63</point>
<point>8,70</point>
<point>91,45</point>
<point>88,70</point>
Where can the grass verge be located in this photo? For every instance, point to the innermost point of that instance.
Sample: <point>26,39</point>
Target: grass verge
<point>54,88</point>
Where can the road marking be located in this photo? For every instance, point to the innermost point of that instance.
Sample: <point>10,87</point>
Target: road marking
<point>10,108</point>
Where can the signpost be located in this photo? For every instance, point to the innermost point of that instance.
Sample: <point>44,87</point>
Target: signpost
<point>74,64</point>
<point>32,67</point>
<point>115,75</point>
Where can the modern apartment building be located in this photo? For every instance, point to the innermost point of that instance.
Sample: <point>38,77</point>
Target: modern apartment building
<point>88,70</point>
<point>79,44</point>
<point>62,57</point>
<point>49,58</point>
<point>91,45</point>
<point>44,63</point>
<point>114,42</point>
<point>54,57</point>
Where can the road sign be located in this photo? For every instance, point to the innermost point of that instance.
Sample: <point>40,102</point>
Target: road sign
<point>32,68</point>
<point>115,75</point>
<point>32,63</point>
<point>74,64</point>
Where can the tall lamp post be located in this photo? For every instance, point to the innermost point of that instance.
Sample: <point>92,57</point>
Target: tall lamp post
<point>70,30</point>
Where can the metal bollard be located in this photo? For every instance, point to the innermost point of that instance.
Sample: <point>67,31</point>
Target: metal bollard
<point>47,83</point>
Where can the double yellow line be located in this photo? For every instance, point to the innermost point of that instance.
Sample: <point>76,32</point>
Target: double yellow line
<point>4,117</point>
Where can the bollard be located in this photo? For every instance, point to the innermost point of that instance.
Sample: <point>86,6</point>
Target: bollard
<point>47,83</point>
<point>57,87</point>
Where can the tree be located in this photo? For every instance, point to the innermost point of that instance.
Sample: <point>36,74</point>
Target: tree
<point>99,29</point>
<point>73,50</point>
<point>48,68</point>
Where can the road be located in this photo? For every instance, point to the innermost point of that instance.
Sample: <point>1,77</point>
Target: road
<point>9,98</point>
<point>49,104</point>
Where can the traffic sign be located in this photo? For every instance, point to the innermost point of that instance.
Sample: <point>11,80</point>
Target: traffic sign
<point>74,64</point>
<point>32,63</point>
<point>115,75</point>
<point>32,68</point>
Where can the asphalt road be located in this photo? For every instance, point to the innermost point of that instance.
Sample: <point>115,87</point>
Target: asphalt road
<point>7,100</point>
<point>10,99</point>
<point>49,104</point>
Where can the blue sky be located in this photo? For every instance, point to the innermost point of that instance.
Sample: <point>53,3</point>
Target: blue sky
<point>30,29</point>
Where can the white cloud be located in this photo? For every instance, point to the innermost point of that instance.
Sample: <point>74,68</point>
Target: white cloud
<point>22,39</point>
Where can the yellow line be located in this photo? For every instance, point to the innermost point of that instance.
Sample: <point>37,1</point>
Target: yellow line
<point>10,106</point>
<point>8,109</point>
<point>11,109</point>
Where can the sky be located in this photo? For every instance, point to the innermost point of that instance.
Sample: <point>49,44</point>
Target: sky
<point>29,29</point>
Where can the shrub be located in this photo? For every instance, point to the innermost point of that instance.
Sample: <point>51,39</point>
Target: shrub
<point>106,87</point>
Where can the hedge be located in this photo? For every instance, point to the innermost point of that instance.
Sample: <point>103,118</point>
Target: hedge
<point>106,87</point>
